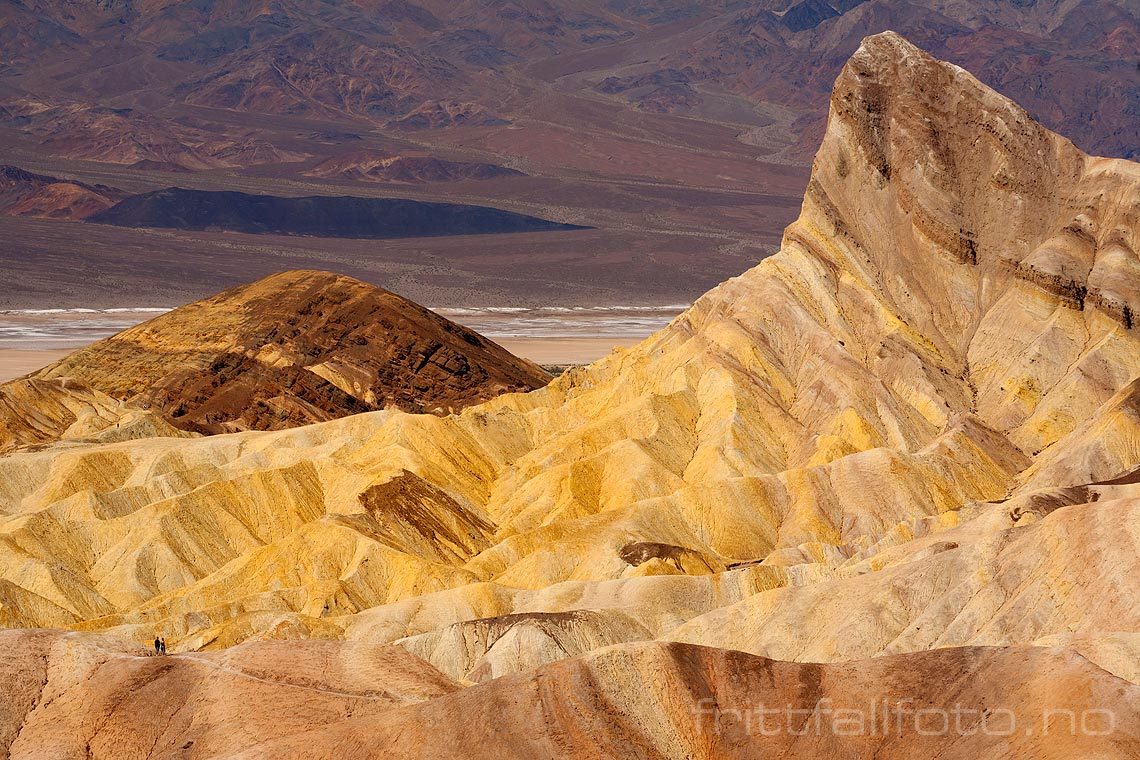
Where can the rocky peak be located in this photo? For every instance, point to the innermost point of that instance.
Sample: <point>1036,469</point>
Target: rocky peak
<point>932,189</point>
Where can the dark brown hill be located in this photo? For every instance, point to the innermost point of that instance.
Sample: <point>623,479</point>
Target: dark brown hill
<point>292,349</point>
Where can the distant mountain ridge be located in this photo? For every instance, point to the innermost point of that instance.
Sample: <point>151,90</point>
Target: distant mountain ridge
<point>664,124</point>
<point>425,65</point>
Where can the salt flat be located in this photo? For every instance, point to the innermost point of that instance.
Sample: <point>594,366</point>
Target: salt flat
<point>17,362</point>
<point>30,339</point>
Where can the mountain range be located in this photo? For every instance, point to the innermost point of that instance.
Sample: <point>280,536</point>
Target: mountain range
<point>681,131</point>
<point>437,65</point>
<point>897,460</point>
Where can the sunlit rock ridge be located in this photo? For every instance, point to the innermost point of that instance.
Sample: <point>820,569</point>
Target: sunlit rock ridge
<point>912,428</point>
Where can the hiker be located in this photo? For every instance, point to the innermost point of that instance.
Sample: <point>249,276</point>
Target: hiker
<point>163,643</point>
<point>157,645</point>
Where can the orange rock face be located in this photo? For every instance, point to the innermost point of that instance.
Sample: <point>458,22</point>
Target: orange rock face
<point>72,695</point>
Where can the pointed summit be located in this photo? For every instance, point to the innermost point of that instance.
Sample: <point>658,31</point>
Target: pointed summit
<point>923,167</point>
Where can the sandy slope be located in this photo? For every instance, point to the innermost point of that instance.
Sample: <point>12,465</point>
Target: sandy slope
<point>86,696</point>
